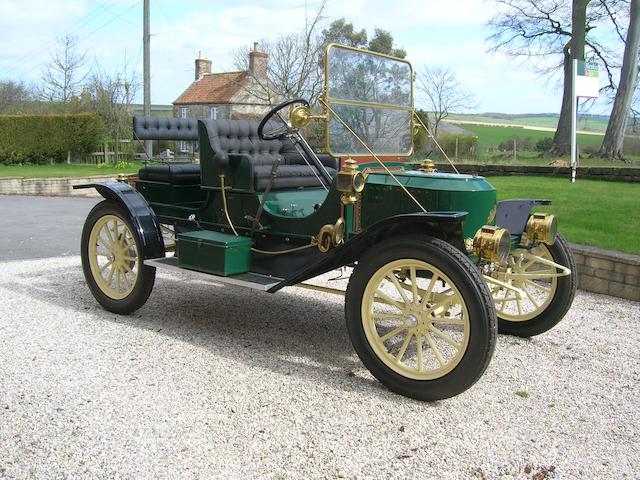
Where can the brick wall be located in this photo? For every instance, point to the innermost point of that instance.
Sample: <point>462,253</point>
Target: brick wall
<point>604,271</point>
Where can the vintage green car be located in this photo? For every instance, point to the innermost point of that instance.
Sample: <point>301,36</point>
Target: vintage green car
<point>437,266</point>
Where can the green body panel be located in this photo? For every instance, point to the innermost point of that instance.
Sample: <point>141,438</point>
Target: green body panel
<point>437,192</point>
<point>214,252</point>
<point>300,214</point>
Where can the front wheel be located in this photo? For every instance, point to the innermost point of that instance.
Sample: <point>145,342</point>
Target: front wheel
<point>547,294</point>
<point>420,317</point>
<point>112,260</point>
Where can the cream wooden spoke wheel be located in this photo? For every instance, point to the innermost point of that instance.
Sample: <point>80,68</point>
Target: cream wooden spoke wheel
<point>420,317</point>
<point>537,280</point>
<point>415,319</point>
<point>112,260</point>
<point>546,296</point>
<point>113,256</point>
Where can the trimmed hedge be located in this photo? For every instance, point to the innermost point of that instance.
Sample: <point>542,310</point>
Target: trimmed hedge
<point>44,138</point>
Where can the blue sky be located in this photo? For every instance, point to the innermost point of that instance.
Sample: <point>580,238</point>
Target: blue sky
<point>449,34</point>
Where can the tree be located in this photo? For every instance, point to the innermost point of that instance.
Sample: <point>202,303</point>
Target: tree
<point>63,77</point>
<point>295,67</point>
<point>614,136</point>
<point>382,42</point>
<point>443,93</point>
<point>544,29</point>
<point>344,33</point>
<point>14,96</point>
<point>110,96</point>
<point>293,70</point>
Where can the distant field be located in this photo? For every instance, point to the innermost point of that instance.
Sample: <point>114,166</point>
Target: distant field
<point>547,122</point>
<point>590,212</point>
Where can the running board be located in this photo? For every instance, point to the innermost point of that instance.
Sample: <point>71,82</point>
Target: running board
<point>255,281</point>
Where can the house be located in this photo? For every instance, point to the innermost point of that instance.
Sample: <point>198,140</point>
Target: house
<point>229,95</point>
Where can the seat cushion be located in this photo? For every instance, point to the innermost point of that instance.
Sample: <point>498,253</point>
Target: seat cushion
<point>287,177</point>
<point>175,174</point>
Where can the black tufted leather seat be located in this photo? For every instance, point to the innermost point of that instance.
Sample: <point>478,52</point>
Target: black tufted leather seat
<point>240,137</point>
<point>175,174</point>
<point>157,128</point>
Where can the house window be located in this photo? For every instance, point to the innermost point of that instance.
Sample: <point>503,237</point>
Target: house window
<point>184,112</point>
<point>214,113</point>
<point>183,147</point>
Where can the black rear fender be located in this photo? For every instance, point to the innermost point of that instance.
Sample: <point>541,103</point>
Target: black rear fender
<point>141,214</point>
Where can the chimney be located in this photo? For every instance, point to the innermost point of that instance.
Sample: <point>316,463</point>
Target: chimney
<point>258,62</point>
<point>203,66</point>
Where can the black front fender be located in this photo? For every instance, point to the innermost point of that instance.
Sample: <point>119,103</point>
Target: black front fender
<point>444,225</point>
<point>141,214</point>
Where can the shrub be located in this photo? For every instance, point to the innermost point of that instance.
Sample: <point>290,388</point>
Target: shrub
<point>467,145</point>
<point>631,145</point>
<point>544,144</point>
<point>41,138</point>
<point>523,144</point>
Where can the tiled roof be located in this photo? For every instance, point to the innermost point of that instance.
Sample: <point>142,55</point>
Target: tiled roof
<point>213,88</point>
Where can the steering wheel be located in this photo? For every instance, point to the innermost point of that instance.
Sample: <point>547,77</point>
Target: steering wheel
<point>280,132</point>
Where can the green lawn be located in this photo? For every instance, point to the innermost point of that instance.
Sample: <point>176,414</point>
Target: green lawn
<point>493,136</point>
<point>63,170</point>
<point>591,212</point>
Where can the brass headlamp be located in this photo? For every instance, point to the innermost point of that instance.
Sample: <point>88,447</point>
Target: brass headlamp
<point>541,228</point>
<point>492,244</point>
<point>349,181</point>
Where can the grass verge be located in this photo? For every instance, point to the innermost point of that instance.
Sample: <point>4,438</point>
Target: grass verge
<point>64,170</point>
<point>590,212</point>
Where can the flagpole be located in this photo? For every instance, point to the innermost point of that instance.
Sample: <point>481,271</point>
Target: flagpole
<point>574,115</point>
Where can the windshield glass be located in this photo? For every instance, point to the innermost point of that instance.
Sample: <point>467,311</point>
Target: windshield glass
<point>373,95</point>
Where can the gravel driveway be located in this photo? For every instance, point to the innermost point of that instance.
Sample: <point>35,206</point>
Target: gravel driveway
<point>214,381</point>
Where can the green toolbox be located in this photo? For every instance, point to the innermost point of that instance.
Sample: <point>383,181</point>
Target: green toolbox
<point>214,252</point>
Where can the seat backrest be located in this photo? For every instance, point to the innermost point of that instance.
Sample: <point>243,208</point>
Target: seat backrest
<point>159,128</point>
<point>241,136</point>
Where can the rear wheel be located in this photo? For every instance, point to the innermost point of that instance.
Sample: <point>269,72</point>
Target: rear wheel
<point>112,260</point>
<point>420,317</point>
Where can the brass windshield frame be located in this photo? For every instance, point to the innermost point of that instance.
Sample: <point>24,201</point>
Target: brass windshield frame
<point>334,101</point>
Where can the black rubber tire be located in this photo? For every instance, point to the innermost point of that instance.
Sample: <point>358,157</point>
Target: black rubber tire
<point>482,317</point>
<point>146,275</point>
<point>562,300</point>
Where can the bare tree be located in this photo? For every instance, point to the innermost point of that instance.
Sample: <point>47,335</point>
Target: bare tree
<point>614,136</point>
<point>14,96</point>
<point>443,94</point>
<point>63,77</point>
<point>293,69</point>
<point>543,29</point>
<point>110,96</point>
